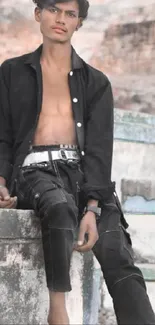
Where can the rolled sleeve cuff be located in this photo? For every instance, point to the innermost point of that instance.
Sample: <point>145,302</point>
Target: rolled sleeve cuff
<point>100,194</point>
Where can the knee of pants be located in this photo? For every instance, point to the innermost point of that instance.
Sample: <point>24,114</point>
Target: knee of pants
<point>59,212</point>
<point>115,255</point>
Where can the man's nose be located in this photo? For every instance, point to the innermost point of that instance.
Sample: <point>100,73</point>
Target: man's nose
<point>60,19</point>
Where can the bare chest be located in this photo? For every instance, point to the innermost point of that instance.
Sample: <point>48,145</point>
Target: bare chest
<point>56,123</point>
<point>56,95</point>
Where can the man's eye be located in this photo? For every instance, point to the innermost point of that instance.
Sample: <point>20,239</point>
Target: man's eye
<point>70,14</point>
<point>52,9</point>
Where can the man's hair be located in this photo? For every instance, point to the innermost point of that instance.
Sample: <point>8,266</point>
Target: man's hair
<point>83,6</point>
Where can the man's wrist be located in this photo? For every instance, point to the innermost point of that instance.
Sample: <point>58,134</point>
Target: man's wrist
<point>92,202</point>
<point>94,209</point>
<point>2,182</point>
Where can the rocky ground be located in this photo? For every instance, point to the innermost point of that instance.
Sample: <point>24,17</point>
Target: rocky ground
<point>118,38</point>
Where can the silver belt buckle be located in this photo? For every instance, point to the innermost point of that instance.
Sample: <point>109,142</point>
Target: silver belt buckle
<point>63,154</point>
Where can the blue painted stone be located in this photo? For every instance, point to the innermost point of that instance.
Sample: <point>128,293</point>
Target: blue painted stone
<point>137,204</point>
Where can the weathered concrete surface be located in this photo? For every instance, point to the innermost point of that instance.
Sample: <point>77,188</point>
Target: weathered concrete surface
<point>134,147</point>
<point>24,296</point>
<point>142,229</point>
<point>134,126</point>
<point>138,196</point>
<point>128,47</point>
<point>142,188</point>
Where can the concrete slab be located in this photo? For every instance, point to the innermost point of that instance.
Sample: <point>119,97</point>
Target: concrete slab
<point>24,296</point>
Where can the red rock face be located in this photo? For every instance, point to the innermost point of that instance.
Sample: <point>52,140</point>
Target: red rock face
<point>117,38</point>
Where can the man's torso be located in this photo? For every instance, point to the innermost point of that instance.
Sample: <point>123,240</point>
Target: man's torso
<point>56,123</point>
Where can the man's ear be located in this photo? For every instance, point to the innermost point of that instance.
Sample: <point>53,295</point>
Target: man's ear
<point>37,14</point>
<point>80,23</point>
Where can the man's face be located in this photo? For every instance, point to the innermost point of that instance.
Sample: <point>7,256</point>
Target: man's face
<point>58,22</point>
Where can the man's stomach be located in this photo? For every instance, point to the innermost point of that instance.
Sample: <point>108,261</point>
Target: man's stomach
<point>59,131</point>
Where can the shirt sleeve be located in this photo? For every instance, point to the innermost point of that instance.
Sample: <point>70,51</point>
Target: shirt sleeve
<point>5,129</point>
<point>97,162</point>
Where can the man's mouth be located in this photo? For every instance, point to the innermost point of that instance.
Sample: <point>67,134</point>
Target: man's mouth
<point>59,29</point>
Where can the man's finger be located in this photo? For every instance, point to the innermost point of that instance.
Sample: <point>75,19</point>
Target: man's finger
<point>92,239</point>
<point>4,194</point>
<point>4,204</point>
<point>81,236</point>
<point>12,205</point>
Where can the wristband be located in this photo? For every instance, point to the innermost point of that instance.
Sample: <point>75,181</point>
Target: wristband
<point>94,209</point>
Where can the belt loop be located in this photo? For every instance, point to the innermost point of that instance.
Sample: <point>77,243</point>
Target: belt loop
<point>50,155</point>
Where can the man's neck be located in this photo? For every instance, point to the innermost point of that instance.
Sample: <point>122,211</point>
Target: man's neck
<point>59,54</point>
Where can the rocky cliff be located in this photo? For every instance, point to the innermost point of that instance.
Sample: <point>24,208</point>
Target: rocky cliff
<point>118,38</point>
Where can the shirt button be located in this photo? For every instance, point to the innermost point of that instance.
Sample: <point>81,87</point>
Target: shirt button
<point>82,153</point>
<point>79,125</point>
<point>75,100</point>
<point>71,73</point>
<point>37,195</point>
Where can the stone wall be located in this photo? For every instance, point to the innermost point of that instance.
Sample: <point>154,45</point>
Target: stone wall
<point>130,48</point>
<point>134,147</point>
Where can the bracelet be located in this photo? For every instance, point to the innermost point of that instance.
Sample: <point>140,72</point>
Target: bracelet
<point>94,209</point>
<point>1,186</point>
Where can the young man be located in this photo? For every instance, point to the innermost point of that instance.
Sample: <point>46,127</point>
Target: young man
<point>56,139</point>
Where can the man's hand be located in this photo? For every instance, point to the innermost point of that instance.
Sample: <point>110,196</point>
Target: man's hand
<point>7,202</point>
<point>87,226</point>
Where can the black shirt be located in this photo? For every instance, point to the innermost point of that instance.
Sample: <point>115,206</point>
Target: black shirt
<point>92,104</point>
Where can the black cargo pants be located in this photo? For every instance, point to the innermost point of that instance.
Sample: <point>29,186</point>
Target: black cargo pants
<point>53,190</point>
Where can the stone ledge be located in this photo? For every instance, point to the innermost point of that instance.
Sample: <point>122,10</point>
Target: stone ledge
<point>20,224</point>
<point>24,296</point>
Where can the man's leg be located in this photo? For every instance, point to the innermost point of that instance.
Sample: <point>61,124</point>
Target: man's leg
<point>57,246</point>
<point>57,309</point>
<point>124,280</point>
<point>58,214</point>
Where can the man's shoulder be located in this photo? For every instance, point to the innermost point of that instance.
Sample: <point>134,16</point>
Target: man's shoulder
<point>96,80</point>
<point>95,75</point>
<point>16,60</point>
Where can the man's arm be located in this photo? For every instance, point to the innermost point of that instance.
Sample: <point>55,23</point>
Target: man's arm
<point>98,157</point>
<point>6,142</point>
<point>6,138</point>
<point>99,143</point>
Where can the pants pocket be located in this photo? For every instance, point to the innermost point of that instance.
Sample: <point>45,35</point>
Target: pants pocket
<point>123,220</point>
